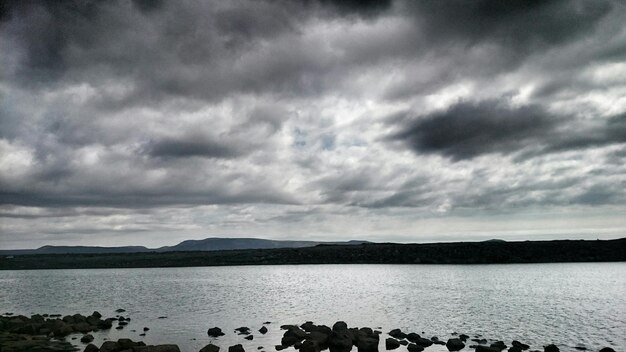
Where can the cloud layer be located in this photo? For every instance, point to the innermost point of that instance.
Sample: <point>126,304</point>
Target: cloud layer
<point>146,122</point>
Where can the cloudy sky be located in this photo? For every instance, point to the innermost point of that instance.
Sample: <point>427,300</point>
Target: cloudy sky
<point>151,122</point>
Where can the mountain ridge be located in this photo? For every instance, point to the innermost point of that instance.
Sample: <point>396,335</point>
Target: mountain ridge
<point>203,245</point>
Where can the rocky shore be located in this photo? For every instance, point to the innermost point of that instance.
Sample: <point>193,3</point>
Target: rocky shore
<point>47,333</point>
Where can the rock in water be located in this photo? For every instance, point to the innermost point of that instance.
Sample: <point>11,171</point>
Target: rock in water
<point>398,334</point>
<point>521,346</point>
<point>86,338</point>
<point>236,348</point>
<point>481,348</point>
<point>498,345</point>
<point>263,330</point>
<point>215,332</point>
<point>550,348</point>
<point>249,337</point>
<point>414,348</point>
<point>455,344</point>
<point>157,348</point>
<point>514,349</point>
<point>391,343</point>
<point>91,348</point>
<point>210,348</point>
<point>340,339</point>
<point>607,349</point>
<point>244,330</point>
<point>310,346</point>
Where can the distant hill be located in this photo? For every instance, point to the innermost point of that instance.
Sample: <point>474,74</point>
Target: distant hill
<point>207,244</point>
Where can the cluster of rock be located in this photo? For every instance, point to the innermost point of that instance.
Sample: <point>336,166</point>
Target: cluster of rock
<point>127,345</point>
<point>55,326</point>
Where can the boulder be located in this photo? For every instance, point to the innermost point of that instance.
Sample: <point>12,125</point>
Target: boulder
<point>514,349</point>
<point>403,342</point>
<point>157,348</point>
<point>310,346</point>
<point>215,332</point>
<point>96,314</point>
<point>481,348</point>
<point>210,348</point>
<point>424,342</point>
<point>86,338</point>
<point>463,337</point>
<point>391,343</point>
<point>498,345</point>
<point>607,349</point>
<point>263,330</point>
<point>105,324</point>
<point>110,346</point>
<point>293,335</point>
<point>236,348</point>
<point>520,345</point>
<point>367,340</point>
<point>308,326</point>
<point>414,348</point>
<point>455,344</point>
<point>550,348</point>
<point>91,348</point>
<point>397,333</point>
<point>341,339</point>
<point>244,330</point>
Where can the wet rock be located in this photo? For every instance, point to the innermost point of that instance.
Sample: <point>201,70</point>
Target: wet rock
<point>236,348</point>
<point>424,342</point>
<point>520,345</point>
<point>146,329</point>
<point>397,333</point>
<point>463,337</point>
<point>455,344</point>
<point>481,348</point>
<point>367,340</point>
<point>308,326</point>
<point>607,349</point>
<point>110,346</point>
<point>244,330</point>
<point>514,349</point>
<point>550,348</point>
<point>105,324</point>
<point>391,343</point>
<point>91,348</point>
<point>263,330</point>
<point>210,348</point>
<point>280,347</point>
<point>215,332</point>
<point>96,314</point>
<point>498,345</point>
<point>340,340</point>
<point>120,310</point>
<point>86,338</point>
<point>157,348</point>
<point>249,337</point>
<point>403,342</point>
<point>410,336</point>
<point>434,338</point>
<point>310,346</point>
<point>292,335</point>
<point>414,348</point>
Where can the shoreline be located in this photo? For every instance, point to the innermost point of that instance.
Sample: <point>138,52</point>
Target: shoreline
<point>47,333</point>
<point>559,251</point>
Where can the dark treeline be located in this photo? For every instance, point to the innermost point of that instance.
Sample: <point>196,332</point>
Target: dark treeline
<point>490,252</point>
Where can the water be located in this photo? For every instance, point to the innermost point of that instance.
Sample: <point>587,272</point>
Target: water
<point>566,304</point>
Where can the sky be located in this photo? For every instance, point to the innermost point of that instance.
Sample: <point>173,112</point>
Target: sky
<point>151,122</point>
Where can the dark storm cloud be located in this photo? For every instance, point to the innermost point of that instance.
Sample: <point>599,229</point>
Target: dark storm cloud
<point>467,130</point>
<point>519,25</point>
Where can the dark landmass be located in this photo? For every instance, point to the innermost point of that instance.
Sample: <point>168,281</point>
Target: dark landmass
<point>489,252</point>
<point>207,244</point>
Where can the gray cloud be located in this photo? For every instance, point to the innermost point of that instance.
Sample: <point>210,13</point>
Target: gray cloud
<point>272,117</point>
<point>467,130</point>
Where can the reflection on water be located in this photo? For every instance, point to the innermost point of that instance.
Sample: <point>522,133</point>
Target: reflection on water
<point>565,304</point>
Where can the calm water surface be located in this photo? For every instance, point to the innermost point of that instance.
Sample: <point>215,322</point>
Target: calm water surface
<point>565,304</point>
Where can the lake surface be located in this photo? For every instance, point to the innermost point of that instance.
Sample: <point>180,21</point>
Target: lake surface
<point>566,304</point>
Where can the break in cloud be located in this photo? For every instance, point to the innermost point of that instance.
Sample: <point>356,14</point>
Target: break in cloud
<point>150,122</point>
